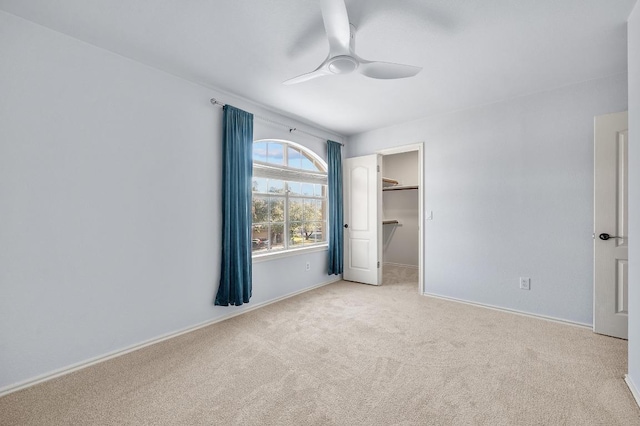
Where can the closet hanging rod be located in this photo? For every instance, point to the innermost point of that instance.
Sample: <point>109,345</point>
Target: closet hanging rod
<point>214,101</point>
<point>399,187</point>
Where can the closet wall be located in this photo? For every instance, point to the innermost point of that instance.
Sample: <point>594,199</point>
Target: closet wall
<point>400,241</point>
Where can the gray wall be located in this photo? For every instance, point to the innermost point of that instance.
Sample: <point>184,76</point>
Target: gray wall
<point>634,197</point>
<point>109,213</point>
<point>511,190</point>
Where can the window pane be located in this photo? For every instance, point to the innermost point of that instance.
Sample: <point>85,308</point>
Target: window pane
<point>296,230</point>
<point>319,210</point>
<point>295,158</point>
<point>295,188</point>
<point>317,234</point>
<point>276,237</point>
<point>317,190</point>
<point>295,210</point>
<point>276,186</point>
<point>311,210</point>
<point>308,164</point>
<point>309,231</point>
<point>275,153</point>
<point>276,209</point>
<point>260,151</point>
<point>259,235</point>
<point>267,237</point>
<point>259,184</point>
<point>307,189</point>
<point>260,209</point>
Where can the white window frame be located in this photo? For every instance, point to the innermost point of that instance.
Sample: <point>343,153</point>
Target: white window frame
<point>289,174</point>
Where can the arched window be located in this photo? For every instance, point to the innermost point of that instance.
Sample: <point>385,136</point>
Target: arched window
<point>289,197</point>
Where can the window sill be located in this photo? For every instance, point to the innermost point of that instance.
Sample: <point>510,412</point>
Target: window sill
<point>288,253</point>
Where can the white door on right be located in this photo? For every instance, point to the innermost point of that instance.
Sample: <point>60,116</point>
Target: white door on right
<point>611,245</point>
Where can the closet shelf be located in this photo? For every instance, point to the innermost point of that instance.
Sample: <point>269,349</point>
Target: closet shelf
<point>390,181</point>
<point>390,222</point>
<point>399,187</point>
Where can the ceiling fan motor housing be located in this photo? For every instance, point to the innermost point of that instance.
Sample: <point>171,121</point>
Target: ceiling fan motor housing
<point>342,64</point>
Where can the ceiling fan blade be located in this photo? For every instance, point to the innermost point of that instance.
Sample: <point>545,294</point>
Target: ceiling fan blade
<point>319,72</point>
<point>336,24</point>
<point>387,70</point>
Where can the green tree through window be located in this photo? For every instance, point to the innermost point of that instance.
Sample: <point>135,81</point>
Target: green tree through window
<point>289,197</point>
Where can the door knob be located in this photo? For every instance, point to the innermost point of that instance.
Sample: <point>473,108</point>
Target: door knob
<point>605,236</point>
<point>346,225</point>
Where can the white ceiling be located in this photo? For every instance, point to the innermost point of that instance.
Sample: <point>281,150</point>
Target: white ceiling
<point>473,52</point>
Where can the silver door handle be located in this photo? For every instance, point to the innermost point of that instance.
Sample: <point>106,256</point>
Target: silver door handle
<point>605,236</point>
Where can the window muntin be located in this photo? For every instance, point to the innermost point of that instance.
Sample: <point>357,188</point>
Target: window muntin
<point>289,197</point>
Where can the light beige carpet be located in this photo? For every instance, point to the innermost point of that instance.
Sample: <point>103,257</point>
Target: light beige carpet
<point>351,354</point>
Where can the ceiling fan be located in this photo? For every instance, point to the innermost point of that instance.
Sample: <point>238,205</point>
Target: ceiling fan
<point>342,57</point>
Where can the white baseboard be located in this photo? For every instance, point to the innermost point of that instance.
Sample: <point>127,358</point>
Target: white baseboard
<point>511,311</point>
<point>632,388</point>
<point>110,355</point>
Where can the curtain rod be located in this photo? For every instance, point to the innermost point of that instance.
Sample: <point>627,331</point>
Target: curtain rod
<point>214,101</point>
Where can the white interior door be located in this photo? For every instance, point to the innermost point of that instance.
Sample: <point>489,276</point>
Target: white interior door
<point>611,282</point>
<point>363,219</point>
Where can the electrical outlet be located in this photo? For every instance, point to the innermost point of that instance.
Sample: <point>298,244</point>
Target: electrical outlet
<point>308,266</point>
<point>525,283</point>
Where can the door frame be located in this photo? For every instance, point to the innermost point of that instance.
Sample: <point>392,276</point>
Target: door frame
<point>419,147</point>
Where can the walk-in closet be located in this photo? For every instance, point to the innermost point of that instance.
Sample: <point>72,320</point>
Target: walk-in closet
<point>400,216</point>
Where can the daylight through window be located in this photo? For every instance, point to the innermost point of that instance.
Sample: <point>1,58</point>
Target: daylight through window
<point>289,197</point>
